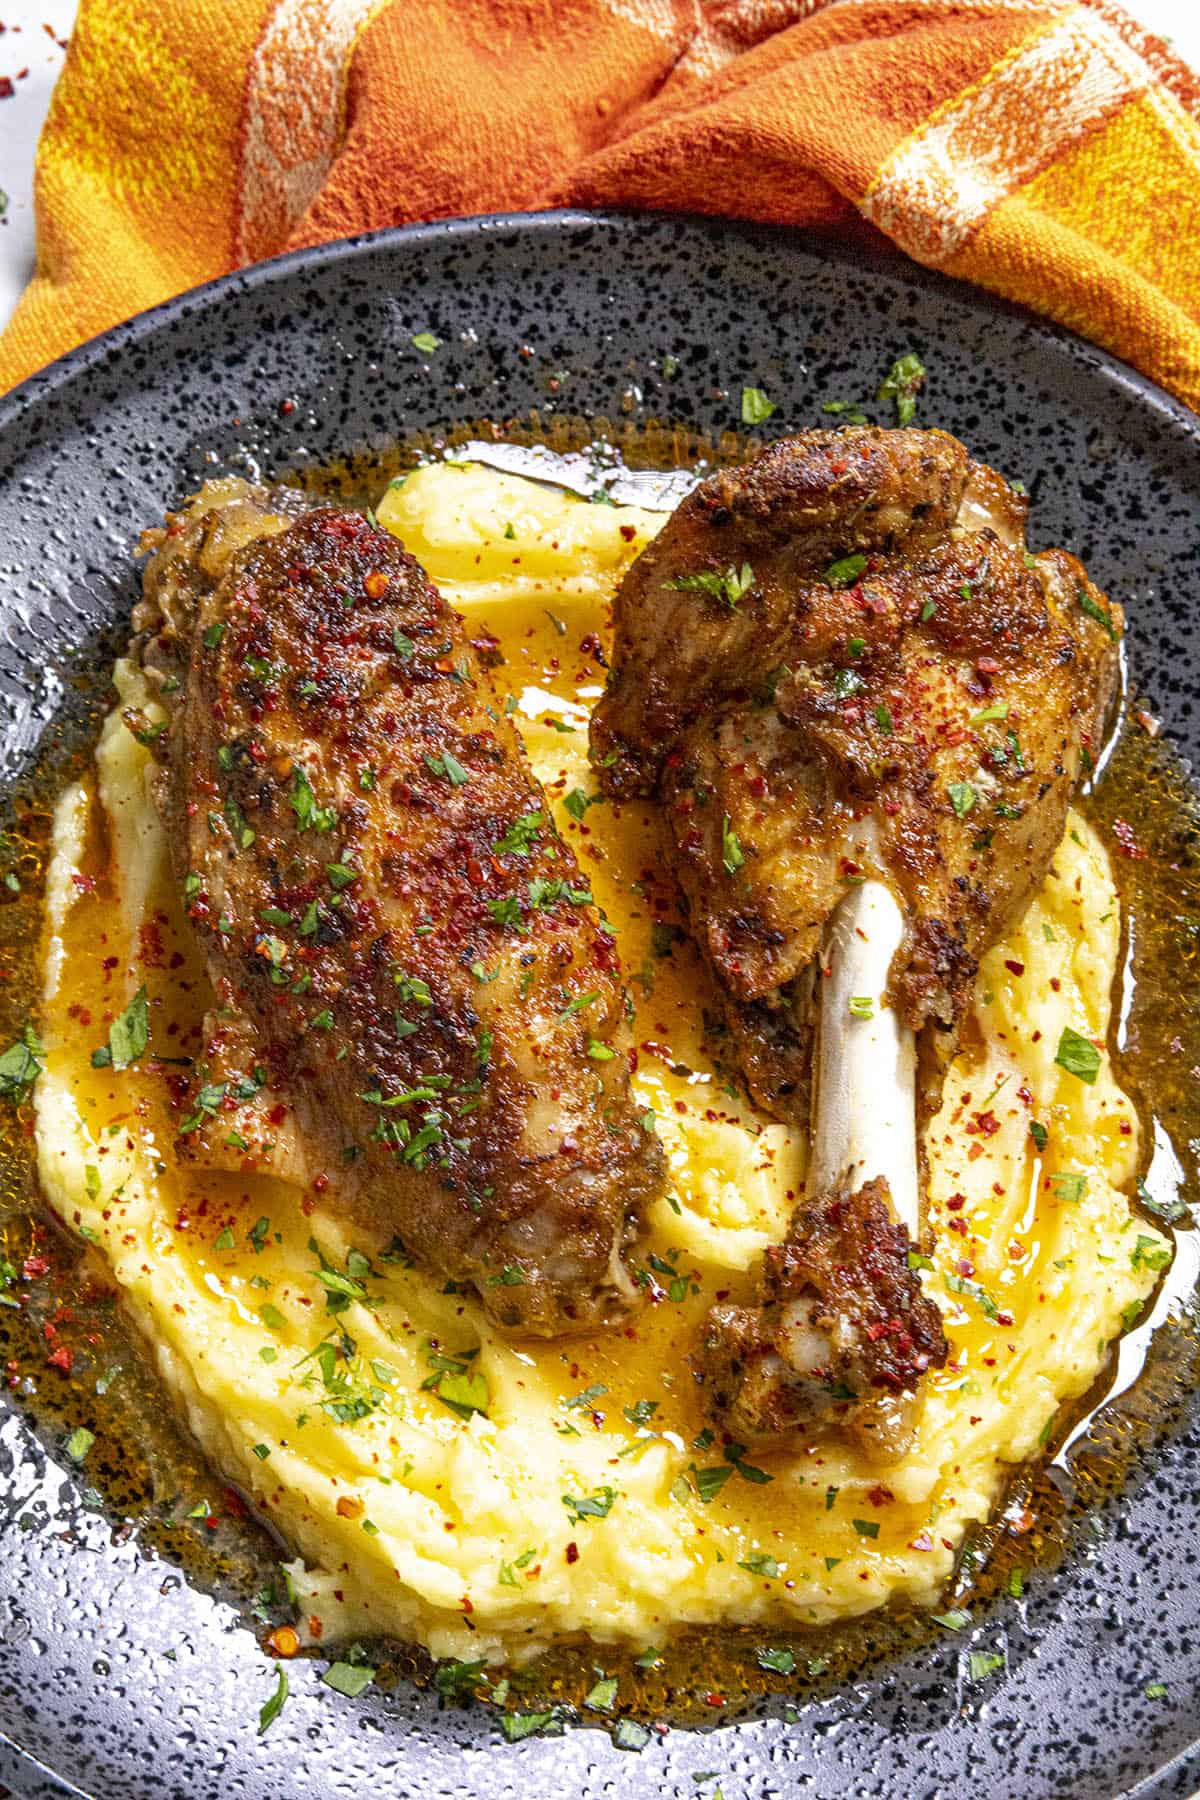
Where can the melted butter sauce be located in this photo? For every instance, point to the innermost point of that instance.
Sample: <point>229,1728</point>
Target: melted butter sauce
<point>148,1475</point>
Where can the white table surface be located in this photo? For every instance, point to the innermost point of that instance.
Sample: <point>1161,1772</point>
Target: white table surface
<point>28,43</point>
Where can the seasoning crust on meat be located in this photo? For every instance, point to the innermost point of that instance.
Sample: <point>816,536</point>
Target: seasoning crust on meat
<point>419,1008</point>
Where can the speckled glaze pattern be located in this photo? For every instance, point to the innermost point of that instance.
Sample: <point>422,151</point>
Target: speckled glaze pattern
<point>90,451</point>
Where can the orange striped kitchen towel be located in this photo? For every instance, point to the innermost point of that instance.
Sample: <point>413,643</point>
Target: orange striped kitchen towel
<point>1048,151</point>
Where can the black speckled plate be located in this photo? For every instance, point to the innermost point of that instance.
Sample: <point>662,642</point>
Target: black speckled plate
<point>89,452</point>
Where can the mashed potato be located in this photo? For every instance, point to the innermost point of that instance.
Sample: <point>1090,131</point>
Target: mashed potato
<point>587,1495</point>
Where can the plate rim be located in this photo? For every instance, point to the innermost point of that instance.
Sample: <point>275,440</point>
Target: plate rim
<point>53,379</point>
<point>850,252</point>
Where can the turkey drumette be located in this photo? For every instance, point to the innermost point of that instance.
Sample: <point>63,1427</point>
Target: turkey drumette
<point>865,708</point>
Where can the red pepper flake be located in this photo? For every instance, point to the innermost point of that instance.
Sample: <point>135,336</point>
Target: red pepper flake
<point>34,1267</point>
<point>572,1552</point>
<point>376,584</point>
<point>984,1124</point>
<point>287,407</point>
<point>1015,968</point>
<point>6,87</point>
<point>880,1496</point>
<point>62,1359</point>
<point>714,1699</point>
<point>1123,832</point>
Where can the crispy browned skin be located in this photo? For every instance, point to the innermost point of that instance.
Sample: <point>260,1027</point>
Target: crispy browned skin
<point>840,1317</point>
<point>410,953</point>
<point>890,654</point>
<point>791,512</point>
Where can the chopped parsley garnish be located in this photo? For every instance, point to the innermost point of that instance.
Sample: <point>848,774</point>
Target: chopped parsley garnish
<point>272,1708</point>
<point>862,1006</point>
<point>868,1528</point>
<point>79,1443</point>
<point>459,1387</point>
<point>959,1284</point>
<point>1039,1134</point>
<point>603,1696</point>
<point>507,912</point>
<point>733,857</point>
<point>425,342</point>
<point>845,572</point>
<point>19,1067</point>
<point>982,1663</point>
<point>1149,1253</point>
<point>777,1662</point>
<point>728,588</point>
<point>1078,1056</point>
<point>630,1734</point>
<point>596,1505</point>
<point>348,1678</point>
<point>709,1481</point>
<point>127,1036</point>
<point>901,384</point>
<point>521,834</point>
<point>1069,1184</point>
<point>755,406</point>
<point>955,1620</point>
<point>587,1399</point>
<point>516,1726</point>
<point>850,410</point>
<point>577,802</point>
<point>760,1564</point>
<point>449,766</point>
<point>845,683</point>
<point>453,1679</point>
<point>962,798</point>
<point>1095,611</point>
<point>304,804</point>
<point>578,1003</point>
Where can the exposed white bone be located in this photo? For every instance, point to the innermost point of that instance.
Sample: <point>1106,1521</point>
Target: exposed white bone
<point>864,1088</point>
